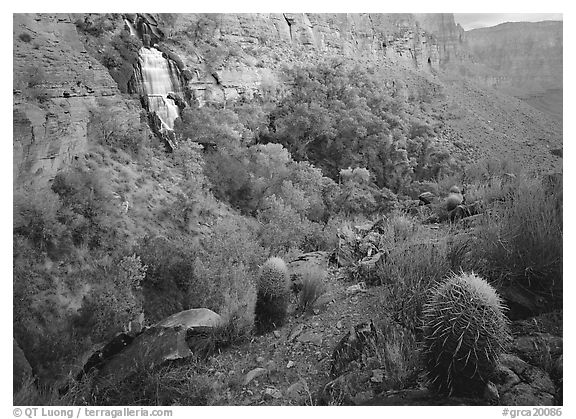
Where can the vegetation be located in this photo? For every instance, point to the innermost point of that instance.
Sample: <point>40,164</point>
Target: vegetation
<point>312,287</point>
<point>273,295</point>
<point>465,332</point>
<point>128,231</point>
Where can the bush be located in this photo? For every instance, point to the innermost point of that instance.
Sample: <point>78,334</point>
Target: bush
<point>520,240</point>
<point>312,288</point>
<point>109,129</point>
<point>35,217</point>
<point>465,332</point>
<point>273,295</point>
<point>113,302</point>
<point>410,271</point>
<point>395,353</point>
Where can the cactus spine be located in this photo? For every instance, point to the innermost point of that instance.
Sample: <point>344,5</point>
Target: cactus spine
<point>465,331</point>
<point>273,295</point>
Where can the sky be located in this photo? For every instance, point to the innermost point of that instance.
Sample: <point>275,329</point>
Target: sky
<point>480,20</point>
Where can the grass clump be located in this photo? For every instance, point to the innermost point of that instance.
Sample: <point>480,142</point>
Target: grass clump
<point>520,239</point>
<point>312,288</point>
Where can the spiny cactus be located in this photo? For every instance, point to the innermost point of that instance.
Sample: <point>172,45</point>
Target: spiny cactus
<point>273,295</point>
<point>465,331</point>
<point>453,200</point>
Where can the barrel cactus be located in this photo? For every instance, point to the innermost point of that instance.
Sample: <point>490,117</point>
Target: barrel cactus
<point>273,295</point>
<point>465,331</point>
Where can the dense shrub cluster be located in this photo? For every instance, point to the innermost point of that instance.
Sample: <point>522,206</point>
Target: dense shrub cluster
<point>339,114</point>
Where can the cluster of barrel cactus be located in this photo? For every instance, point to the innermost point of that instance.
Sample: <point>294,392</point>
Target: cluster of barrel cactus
<point>273,295</point>
<point>465,331</point>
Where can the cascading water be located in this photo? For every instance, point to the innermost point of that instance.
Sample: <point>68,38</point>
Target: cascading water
<point>159,78</point>
<point>131,28</point>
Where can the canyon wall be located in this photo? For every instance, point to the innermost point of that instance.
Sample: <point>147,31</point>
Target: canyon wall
<point>254,46</point>
<point>57,87</point>
<point>527,57</point>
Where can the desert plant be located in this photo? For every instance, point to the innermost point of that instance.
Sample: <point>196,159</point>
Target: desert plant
<point>273,295</point>
<point>410,271</point>
<point>520,240</point>
<point>465,331</point>
<point>312,287</point>
<point>403,227</point>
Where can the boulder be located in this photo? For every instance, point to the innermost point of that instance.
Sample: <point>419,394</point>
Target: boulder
<point>298,392</point>
<point>188,319</point>
<point>540,349</point>
<point>521,302</point>
<point>253,374</point>
<point>420,397</point>
<point>22,371</point>
<point>521,384</point>
<point>169,339</point>
<point>426,198</point>
<point>307,262</point>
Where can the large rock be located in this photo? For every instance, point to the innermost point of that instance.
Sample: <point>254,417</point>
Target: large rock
<point>169,339</point>
<point>541,349</point>
<point>426,198</point>
<point>521,384</point>
<point>188,319</point>
<point>420,397</point>
<point>306,263</point>
<point>22,371</point>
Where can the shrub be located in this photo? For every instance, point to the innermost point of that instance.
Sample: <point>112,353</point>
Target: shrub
<point>273,295</point>
<point>108,128</point>
<point>25,37</point>
<point>403,227</point>
<point>410,271</point>
<point>35,217</point>
<point>282,227</point>
<point>113,302</point>
<point>395,352</point>
<point>312,287</point>
<point>520,240</point>
<point>465,332</point>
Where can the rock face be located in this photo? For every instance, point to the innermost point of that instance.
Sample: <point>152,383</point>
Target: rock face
<point>57,85</point>
<point>526,56</point>
<point>258,44</point>
<point>178,336</point>
<point>521,384</point>
<point>22,371</point>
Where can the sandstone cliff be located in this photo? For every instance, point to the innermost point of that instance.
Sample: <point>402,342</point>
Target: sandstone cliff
<point>57,84</point>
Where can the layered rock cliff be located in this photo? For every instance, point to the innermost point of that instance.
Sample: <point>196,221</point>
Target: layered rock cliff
<point>57,87</point>
<point>526,56</point>
<point>251,46</point>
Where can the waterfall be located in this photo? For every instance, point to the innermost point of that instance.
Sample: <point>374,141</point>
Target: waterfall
<point>131,28</point>
<point>159,77</point>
